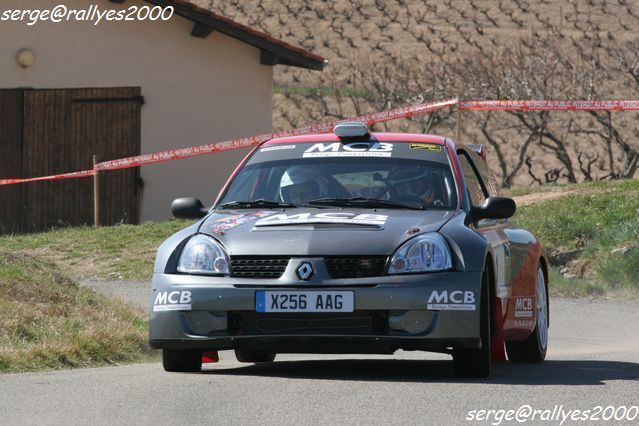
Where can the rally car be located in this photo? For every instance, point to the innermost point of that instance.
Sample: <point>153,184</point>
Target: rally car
<point>352,242</point>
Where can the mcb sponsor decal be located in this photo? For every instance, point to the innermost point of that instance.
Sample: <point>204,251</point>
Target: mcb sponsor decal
<point>172,301</point>
<point>523,307</point>
<point>329,217</point>
<point>358,149</point>
<point>457,300</point>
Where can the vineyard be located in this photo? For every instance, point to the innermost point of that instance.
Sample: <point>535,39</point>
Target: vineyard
<point>388,53</point>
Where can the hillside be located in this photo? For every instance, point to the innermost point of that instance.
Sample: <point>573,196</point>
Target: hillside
<point>385,53</point>
<point>345,32</point>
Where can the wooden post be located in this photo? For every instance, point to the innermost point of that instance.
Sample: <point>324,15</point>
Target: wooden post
<point>96,195</point>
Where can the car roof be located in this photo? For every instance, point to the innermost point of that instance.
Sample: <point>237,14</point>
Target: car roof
<point>382,137</point>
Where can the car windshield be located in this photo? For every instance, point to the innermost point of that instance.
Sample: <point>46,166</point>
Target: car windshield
<point>344,181</point>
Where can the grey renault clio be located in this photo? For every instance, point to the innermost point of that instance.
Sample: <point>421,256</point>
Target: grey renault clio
<point>352,242</point>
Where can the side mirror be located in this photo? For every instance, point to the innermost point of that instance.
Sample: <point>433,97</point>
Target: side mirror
<point>493,208</point>
<point>188,208</point>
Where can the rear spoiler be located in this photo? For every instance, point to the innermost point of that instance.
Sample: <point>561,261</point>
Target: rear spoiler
<point>479,150</point>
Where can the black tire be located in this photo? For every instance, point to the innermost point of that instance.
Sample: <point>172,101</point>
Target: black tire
<point>533,349</point>
<point>477,362</point>
<point>182,360</point>
<point>244,355</point>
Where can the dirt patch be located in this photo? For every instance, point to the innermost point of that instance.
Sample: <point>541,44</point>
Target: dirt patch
<point>134,292</point>
<point>540,197</point>
<point>80,268</point>
<point>577,268</point>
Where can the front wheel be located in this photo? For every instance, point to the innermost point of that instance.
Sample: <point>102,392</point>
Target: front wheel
<point>189,360</point>
<point>476,362</point>
<point>533,349</point>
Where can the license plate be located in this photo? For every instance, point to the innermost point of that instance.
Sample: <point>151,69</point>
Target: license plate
<point>304,301</point>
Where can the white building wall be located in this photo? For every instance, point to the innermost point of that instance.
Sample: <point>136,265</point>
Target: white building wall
<point>196,91</point>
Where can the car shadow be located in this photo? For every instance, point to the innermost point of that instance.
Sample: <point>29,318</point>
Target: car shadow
<point>550,372</point>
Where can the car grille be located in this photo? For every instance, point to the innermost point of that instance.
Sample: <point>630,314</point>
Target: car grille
<point>339,267</point>
<point>356,323</point>
<point>258,267</point>
<point>355,266</point>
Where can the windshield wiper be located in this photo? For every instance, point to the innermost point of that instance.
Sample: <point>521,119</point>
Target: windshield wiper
<point>362,202</point>
<point>254,203</point>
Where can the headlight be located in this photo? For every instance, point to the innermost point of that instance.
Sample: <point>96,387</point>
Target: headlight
<point>426,253</point>
<point>203,255</point>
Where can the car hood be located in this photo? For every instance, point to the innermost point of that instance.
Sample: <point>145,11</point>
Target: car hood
<point>317,232</point>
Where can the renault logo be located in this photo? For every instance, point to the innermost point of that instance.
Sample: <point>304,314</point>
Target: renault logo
<point>305,271</point>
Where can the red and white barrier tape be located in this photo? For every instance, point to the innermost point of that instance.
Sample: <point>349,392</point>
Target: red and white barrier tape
<point>72,175</point>
<point>377,117</point>
<point>392,114</point>
<point>548,105</point>
<point>174,154</point>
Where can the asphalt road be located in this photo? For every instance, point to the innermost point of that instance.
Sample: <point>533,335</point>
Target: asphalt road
<point>593,361</point>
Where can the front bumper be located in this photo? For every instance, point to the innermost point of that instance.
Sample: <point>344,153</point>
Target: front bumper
<point>218,313</point>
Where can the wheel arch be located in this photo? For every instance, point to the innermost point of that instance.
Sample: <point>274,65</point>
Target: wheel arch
<point>543,262</point>
<point>492,289</point>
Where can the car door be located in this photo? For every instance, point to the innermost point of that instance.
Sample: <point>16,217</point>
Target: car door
<point>522,247</point>
<point>515,250</point>
<point>479,189</point>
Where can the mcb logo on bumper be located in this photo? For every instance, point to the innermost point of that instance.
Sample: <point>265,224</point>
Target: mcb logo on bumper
<point>452,301</point>
<point>172,301</point>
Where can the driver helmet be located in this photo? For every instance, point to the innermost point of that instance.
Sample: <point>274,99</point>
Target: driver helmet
<point>300,184</point>
<point>410,181</point>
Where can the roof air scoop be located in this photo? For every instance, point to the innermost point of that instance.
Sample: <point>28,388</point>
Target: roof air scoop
<point>350,129</point>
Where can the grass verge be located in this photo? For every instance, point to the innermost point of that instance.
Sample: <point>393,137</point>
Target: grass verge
<point>114,253</point>
<point>48,322</point>
<point>592,236</point>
